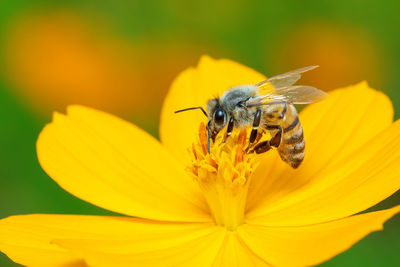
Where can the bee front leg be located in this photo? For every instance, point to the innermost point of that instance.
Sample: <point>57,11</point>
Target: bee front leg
<point>229,129</point>
<point>253,135</point>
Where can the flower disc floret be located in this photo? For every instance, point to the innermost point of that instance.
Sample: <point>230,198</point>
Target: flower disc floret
<point>224,174</point>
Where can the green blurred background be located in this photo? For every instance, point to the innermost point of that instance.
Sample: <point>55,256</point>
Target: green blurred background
<point>121,57</point>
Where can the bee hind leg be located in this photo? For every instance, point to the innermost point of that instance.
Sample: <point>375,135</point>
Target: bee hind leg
<point>266,145</point>
<point>261,147</point>
<point>276,139</point>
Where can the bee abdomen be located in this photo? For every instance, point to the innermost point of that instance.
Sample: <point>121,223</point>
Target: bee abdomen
<point>294,138</point>
<point>292,144</point>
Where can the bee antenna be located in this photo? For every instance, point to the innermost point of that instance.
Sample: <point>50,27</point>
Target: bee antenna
<point>186,109</point>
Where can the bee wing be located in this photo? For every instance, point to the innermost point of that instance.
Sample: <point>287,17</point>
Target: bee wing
<point>284,80</point>
<point>299,94</point>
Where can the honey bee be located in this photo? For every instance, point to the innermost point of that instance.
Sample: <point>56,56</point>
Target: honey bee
<point>267,106</point>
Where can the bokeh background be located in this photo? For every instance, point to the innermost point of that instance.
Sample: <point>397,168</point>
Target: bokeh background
<point>121,56</point>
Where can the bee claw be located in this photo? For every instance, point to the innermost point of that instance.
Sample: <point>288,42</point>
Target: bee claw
<point>247,149</point>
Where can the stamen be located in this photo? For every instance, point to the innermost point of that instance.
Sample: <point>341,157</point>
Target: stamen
<point>224,174</point>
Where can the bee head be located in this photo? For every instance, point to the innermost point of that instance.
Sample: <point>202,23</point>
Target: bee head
<point>217,117</point>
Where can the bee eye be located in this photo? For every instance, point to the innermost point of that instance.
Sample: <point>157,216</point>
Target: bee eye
<point>219,116</point>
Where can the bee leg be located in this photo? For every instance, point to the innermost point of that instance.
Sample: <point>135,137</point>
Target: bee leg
<point>275,141</point>
<point>261,147</point>
<point>229,129</point>
<point>253,135</point>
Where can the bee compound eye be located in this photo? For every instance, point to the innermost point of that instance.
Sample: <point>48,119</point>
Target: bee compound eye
<point>219,116</point>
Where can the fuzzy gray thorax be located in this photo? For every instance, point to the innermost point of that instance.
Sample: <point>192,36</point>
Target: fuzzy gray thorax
<point>231,100</point>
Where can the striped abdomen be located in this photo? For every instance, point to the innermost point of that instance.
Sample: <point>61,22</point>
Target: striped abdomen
<point>292,145</point>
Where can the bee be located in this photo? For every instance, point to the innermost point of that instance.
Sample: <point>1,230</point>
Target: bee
<point>267,106</point>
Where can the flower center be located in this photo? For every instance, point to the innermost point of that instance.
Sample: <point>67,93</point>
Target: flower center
<point>223,175</point>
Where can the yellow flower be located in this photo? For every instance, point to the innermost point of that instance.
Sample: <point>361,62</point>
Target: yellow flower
<point>187,207</point>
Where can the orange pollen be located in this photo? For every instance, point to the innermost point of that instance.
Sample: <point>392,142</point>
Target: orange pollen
<point>240,148</point>
<point>194,151</point>
<point>203,137</point>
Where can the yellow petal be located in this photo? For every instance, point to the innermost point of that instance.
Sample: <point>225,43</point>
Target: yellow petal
<point>369,176</point>
<point>235,253</point>
<point>113,164</point>
<point>357,114</point>
<point>336,131</point>
<point>34,239</point>
<point>192,88</point>
<point>310,245</point>
<point>176,250</point>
